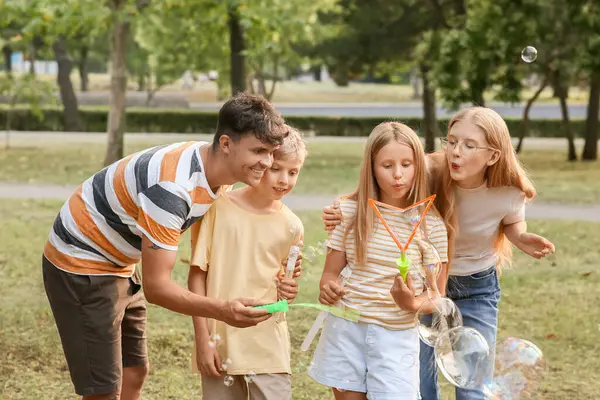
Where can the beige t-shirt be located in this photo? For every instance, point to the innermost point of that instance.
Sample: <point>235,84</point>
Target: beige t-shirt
<point>480,213</point>
<point>368,287</point>
<point>243,253</point>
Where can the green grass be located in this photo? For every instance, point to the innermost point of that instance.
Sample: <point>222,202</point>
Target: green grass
<point>331,168</point>
<point>552,302</point>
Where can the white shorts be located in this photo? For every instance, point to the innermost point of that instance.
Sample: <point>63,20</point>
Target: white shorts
<point>367,358</point>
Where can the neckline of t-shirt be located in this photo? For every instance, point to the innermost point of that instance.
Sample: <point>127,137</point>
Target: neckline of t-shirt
<point>203,171</point>
<point>226,196</point>
<point>480,188</point>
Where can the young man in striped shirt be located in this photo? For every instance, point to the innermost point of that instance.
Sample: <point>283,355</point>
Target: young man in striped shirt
<point>135,210</point>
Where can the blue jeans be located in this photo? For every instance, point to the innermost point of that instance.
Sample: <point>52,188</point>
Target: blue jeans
<point>477,297</point>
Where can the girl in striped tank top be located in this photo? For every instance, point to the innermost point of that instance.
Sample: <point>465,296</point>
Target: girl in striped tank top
<point>378,356</point>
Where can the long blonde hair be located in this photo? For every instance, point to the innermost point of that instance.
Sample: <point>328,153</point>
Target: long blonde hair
<point>507,171</point>
<point>363,222</point>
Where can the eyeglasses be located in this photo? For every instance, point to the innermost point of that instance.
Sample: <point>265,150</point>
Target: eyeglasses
<point>467,149</point>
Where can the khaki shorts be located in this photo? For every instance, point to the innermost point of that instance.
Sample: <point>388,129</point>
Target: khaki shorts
<point>102,325</point>
<point>259,387</point>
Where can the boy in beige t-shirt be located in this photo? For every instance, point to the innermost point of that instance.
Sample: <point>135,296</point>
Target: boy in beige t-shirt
<point>243,239</point>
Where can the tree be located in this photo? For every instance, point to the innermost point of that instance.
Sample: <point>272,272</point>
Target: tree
<point>25,89</point>
<point>590,17</point>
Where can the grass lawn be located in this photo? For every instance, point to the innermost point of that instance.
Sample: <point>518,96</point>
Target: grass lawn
<point>331,168</point>
<point>554,303</point>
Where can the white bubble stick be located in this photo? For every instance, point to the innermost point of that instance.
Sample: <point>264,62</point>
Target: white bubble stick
<point>314,329</point>
<point>291,264</point>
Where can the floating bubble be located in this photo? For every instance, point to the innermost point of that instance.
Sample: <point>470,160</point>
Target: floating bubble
<point>224,366</point>
<point>408,360</point>
<point>228,381</point>
<point>228,361</point>
<point>445,316</point>
<point>212,344</point>
<point>519,369</point>
<point>216,338</point>
<point>463,356</point>
<point>250,377</point>
<point>431,263</point>
<point>529,54</point>
<point>414,216</point>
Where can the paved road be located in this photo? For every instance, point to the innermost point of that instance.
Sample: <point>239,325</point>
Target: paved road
<point>305,202</point>
<point>407,109</point>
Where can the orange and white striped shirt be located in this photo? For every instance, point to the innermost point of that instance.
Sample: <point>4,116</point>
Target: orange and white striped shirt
<point>368,287</point>
<point>157,192</point>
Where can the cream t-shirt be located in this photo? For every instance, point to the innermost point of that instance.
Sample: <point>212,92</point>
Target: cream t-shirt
<point>480,212</point>
<point>242,253</point>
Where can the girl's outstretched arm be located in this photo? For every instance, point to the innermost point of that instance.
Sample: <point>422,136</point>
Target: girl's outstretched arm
<point>331,291</point>
<point>529,243</point>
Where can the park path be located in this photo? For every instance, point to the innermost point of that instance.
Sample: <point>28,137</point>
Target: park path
<point>536,210</point>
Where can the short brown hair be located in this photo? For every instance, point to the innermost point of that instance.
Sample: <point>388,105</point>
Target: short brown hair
<point>245,114</point>
<point>293,146</point>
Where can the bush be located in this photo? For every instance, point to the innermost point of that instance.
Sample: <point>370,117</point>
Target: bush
<point>189,121</point>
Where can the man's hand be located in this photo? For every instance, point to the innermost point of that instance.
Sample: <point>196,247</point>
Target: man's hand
<point>332,216</point>
<point>241,314</point>
<point>287,289</point>
<point>404,293</point>
<point>330,293</point>
<point>208,359</point>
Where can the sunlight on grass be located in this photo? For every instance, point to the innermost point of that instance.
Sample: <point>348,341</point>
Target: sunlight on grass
<point>551,302</point>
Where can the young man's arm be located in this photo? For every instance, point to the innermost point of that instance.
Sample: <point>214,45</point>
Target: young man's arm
<point>208,359</point>
<point>160,289</point>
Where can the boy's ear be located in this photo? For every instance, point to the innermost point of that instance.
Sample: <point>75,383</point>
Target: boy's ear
<point>494,159</point>
<point>225,143</point>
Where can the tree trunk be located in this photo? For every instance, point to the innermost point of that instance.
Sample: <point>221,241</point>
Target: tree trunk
<point>7,51</point>
<point>236,49</point>
<point>32,57</point>
<point>590,148</point>
<point>430,128</point>
<point>415,82</point>
<point>316,71</point>
<point>118,87</point>
<point>71,115</point>
<point>523,128</point>
<point>572,156</point>
<point>83,72</point>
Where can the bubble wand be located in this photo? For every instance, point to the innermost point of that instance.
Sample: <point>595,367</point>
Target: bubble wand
<point>402,262</point>
<point>310,336</point>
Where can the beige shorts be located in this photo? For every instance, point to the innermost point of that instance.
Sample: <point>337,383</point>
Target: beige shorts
<point>243,387</point>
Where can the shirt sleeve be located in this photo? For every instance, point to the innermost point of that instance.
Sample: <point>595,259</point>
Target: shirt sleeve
<point>202,235</point>
<point>163,211</point>
<point>516,212</point>
<point>437,248</point>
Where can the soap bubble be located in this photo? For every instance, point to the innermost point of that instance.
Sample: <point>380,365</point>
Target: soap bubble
<point>212,344</point>
<point>414,216</point>
<point>518,371</point>
<point>224,366</point>
<point>445,316</point>
<point>250,377</point>
<point>431,263</point>
<point>216,338</point>
<point>228,381</point>
<point>228,361</point>
<point>529,54</point>
<point>463,356</point>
